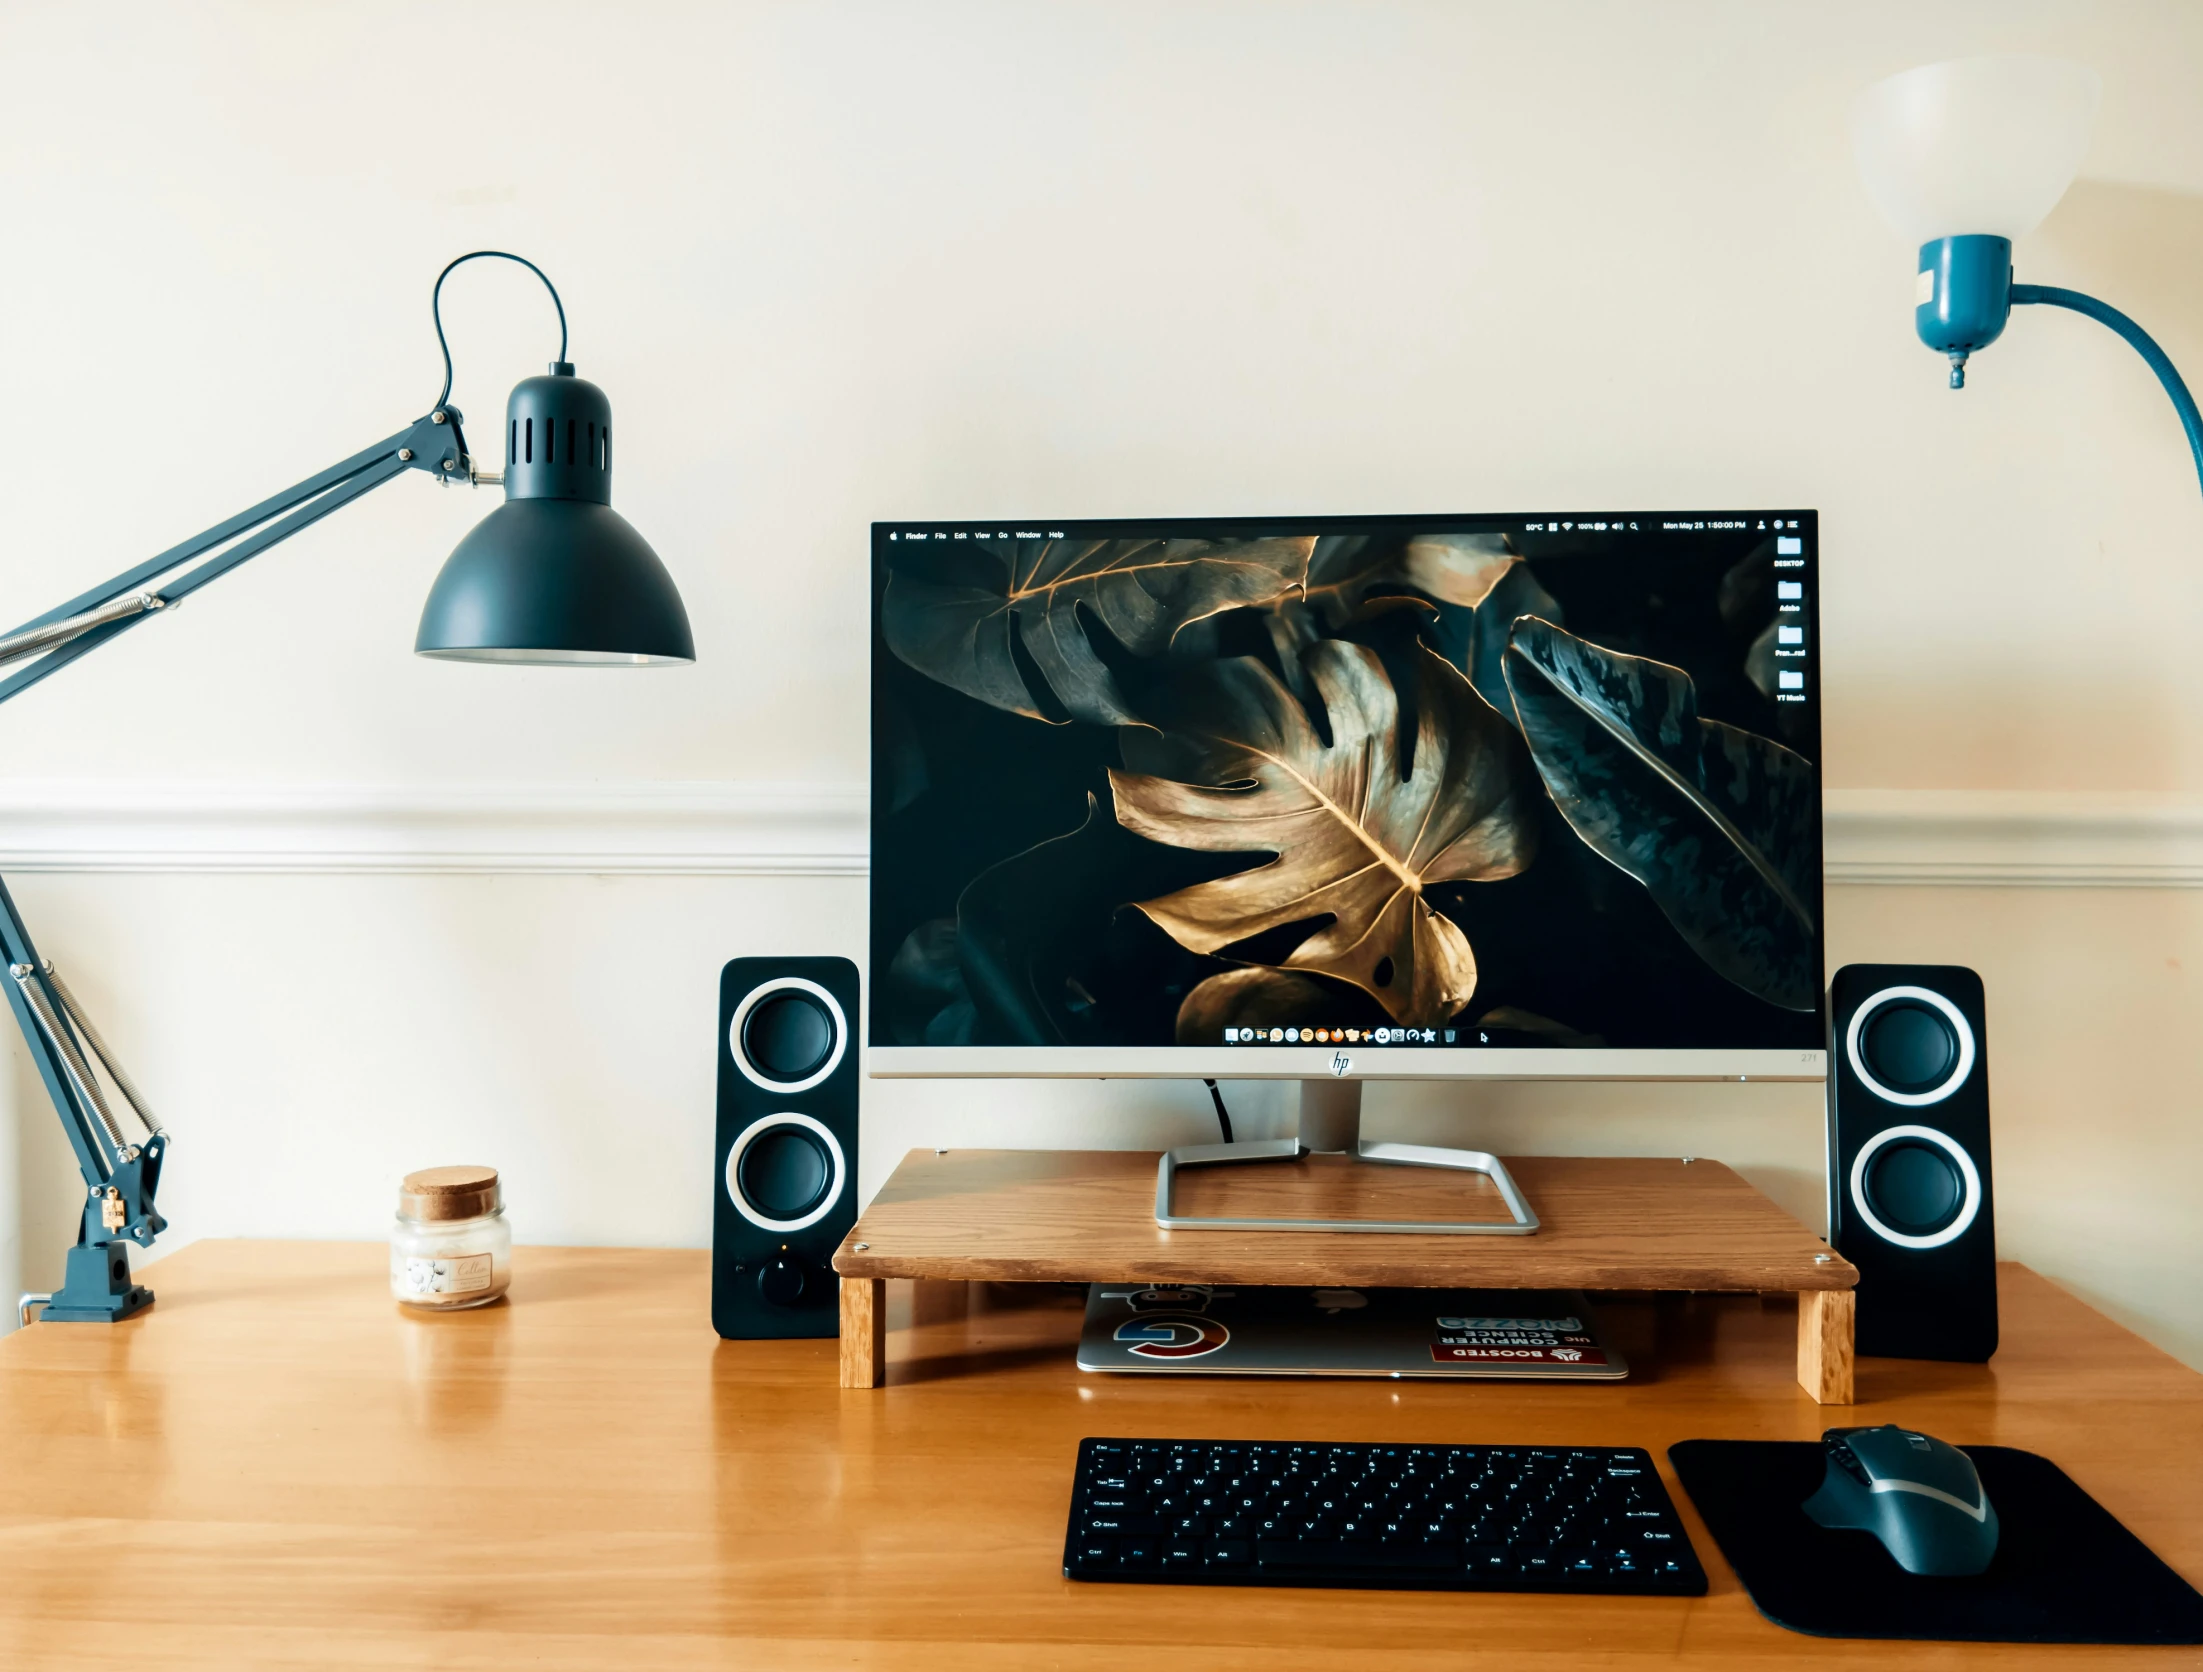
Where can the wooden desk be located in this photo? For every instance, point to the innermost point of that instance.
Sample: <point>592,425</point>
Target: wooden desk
<point>276,1467</point>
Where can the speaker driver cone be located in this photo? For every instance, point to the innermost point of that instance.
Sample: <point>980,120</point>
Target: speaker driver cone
<point>788,1035</point>
<point>1914,1188</point>
<point>1909,1046</point>
<point>784,1172</point>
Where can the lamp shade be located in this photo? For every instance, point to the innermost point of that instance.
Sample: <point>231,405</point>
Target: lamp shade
<point>1975,145</point>
<point>555,575</point>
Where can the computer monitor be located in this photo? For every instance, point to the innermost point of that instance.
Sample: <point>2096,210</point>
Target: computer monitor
<point>1345,798</point>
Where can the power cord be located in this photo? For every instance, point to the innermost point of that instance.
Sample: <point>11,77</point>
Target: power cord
<point>1223,1115</point>
<point>436,307</point>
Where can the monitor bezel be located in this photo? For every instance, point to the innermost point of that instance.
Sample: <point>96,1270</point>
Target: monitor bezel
<point>1320,1062</point>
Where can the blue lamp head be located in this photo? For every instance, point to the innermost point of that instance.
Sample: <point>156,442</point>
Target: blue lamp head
<point>1963,296</point>
<point>1963,157</point>
<point>555,576</point>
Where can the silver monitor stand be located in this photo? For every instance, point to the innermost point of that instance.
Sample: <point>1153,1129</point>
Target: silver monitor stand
<point>1331,1124</point>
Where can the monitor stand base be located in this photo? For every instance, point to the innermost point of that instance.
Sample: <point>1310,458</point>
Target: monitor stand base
<point>1330,1123</point>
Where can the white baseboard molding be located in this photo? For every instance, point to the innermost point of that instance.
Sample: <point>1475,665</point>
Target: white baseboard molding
<point>1947,837</point>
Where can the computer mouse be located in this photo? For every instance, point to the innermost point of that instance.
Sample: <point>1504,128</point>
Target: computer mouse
<point>1919,1496</point>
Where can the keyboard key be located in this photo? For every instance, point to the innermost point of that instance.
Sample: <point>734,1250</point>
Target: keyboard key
<point>1097,1550</point>
<point>1334,1553</point>
<point>1231,1552</point>
<point>1122,1526</point>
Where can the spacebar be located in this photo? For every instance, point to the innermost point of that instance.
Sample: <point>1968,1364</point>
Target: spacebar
<point>1334,1553</point>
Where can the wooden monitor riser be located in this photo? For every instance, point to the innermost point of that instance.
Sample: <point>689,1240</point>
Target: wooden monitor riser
<point>1088,1216</point>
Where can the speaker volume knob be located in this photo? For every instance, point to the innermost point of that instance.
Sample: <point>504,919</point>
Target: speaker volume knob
<point>781,1280</point>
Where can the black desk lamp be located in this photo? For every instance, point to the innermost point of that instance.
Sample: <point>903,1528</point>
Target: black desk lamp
<point>554,575</point>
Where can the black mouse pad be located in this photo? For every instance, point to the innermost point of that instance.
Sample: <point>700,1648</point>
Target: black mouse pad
<point>2065,1570</point>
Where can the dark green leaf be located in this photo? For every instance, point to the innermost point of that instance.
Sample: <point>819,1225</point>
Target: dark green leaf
<point>1024,924</point>
<point>927,1003</point>
<point>1716,822</point>
<point>1478,646</point>
<point>956,625</point>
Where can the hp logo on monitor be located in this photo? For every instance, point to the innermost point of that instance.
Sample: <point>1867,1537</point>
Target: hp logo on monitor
<point>1340,1063</point>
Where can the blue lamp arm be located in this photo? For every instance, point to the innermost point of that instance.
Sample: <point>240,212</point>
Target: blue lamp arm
<point>1963,297</point>
<point>121,1169</point>
<point>2144,345</point>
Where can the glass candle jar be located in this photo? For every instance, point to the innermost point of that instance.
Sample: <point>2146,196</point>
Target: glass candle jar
<point>450,1246</point>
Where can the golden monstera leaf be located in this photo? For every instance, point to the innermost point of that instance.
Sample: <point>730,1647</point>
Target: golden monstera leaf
<point>1240,768</point>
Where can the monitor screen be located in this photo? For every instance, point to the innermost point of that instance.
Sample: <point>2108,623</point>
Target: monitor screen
<point>1479,790</point>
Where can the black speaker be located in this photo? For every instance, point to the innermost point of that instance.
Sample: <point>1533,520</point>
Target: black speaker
<point>1909,1198</point>
<point>785,1187</point>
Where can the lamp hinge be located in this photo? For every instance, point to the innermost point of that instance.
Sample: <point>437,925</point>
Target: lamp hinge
<point>438,445</point>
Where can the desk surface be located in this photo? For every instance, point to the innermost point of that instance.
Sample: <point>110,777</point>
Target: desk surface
<point>276,1467</point>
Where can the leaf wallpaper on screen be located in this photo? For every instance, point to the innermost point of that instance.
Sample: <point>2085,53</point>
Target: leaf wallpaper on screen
<point>1141,790</point>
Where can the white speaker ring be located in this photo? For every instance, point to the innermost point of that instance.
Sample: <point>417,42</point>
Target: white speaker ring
<point>1935,1001</point>
<point>1968,1210</point>
<point>765,990</point>
<point>757,1129</point>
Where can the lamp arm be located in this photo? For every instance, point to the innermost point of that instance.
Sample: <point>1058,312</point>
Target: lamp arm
<point>121,1174</point>
<point>2143,344</point>
<point>435,443</point>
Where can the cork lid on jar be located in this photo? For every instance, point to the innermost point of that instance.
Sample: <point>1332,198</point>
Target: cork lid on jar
<point>438,1193</point>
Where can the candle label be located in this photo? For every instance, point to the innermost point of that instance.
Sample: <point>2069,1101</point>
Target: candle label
<point>459,1274</point>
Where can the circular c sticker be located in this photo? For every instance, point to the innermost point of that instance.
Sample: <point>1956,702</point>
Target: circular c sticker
<point>1172,1338</point>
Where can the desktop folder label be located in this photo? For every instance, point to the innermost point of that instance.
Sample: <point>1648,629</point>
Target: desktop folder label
<point>1515,1341</point>
<point>1172,1338</point>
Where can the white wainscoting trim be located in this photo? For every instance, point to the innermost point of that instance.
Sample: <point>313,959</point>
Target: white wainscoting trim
<point>665,829</point>
<point>2021,838</point>
<point>1978,837</point>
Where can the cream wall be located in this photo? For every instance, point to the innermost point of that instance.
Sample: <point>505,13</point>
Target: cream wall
<point>357,913</point>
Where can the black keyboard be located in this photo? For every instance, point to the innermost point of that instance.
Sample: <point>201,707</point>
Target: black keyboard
<point>1459,1518</point>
